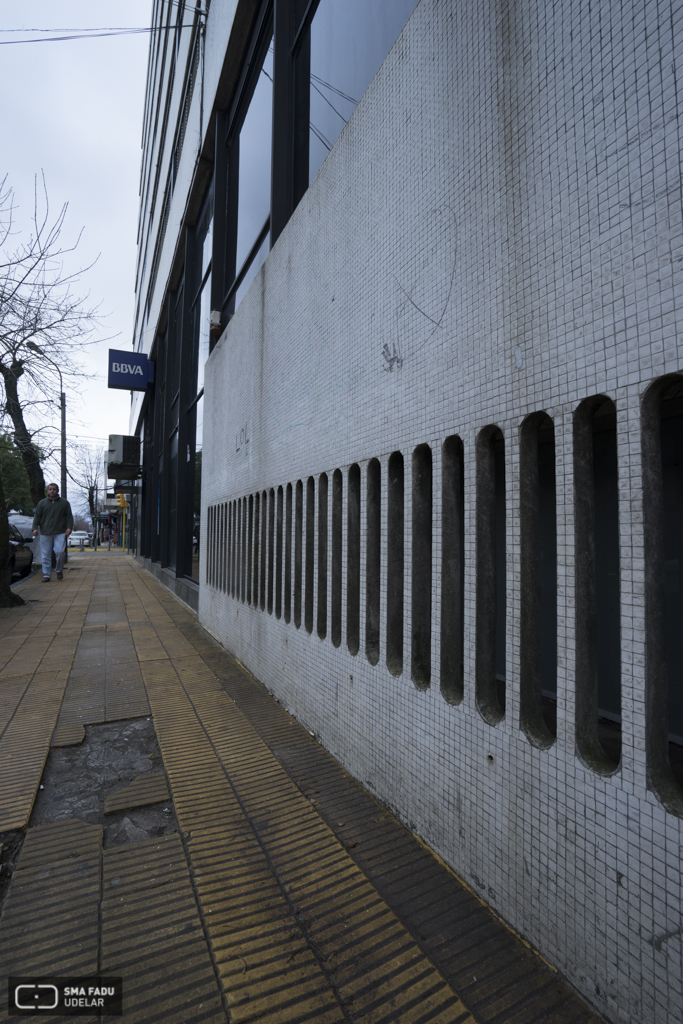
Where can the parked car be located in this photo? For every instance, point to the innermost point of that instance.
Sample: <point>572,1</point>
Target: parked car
<point>20,554</point>
<point>24,525</point>
<point>77,536</point>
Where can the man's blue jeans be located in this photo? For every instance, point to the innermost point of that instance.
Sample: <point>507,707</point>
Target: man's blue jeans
<point>48,541</point>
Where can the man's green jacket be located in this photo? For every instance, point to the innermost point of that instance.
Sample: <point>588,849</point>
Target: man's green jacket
<point>53,517</point>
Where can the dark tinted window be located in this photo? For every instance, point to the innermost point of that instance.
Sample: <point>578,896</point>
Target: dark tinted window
<point>253,204</point>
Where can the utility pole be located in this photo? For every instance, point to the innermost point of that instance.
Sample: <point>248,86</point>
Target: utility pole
<point>63,487</point>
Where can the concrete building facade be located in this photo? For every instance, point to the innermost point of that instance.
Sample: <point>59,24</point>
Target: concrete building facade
<point>414,449</point>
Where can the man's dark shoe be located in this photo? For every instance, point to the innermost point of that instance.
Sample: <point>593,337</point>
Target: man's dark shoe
<point>46,579</point>
<point>60,575</point>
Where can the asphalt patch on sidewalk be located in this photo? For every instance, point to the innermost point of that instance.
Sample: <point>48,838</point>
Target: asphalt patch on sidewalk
<point>77,780</point>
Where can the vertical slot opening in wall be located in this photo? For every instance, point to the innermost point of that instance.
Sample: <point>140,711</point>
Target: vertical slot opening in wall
<point>226,567</point>
<point>223,554</point>
<point>226,564</point>
<point>353,561</point>
<point>233,579</point>
<point>598,641</point>
<point>209,560</point>
<point>244,549</point>
<point>452,570</point>
<point>239,565</point>
<point>257,546</point>
<point>662,461</point>
<point>237,531</point>
<point>490,600</point>
<point>238,552</point>
<point>220,523</point>
<point>215,546</point>
<point>235,548</point>
<point>288,553</point>
<point>336,583</point>
<point>298,550</point>
<point>278,555</point>
<point>271,547</point>
<point>395,546</point>
<point>212,560</point>
<point>373,536</point>
<point>538,582</point>
<point>218,546</point>
<point>310,550</point>
<point>250,545</point>
<point>421,586</point>
<point>223,545</point>
<point>322,556</point>
<point>229,573</point>
<point>264,550</point>
<point>220,517</point>
<point>219,537</point>
<point>226,553</point>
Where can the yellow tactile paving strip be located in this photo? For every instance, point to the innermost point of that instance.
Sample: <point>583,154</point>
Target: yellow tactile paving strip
<point>130,912</point>
<point>50,916</point>
<point>498,971</point>
<point>149,788</point>
<point>152,936</point>
<point>365,954</point>
<point>276,920</point>
<point>248,918</point>
<point>11,692</point>
<point>44,637</point>
<point>24,747</point>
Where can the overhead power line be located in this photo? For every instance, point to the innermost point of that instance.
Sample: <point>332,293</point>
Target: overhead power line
<point>96,28</point>
<point>88,34</point>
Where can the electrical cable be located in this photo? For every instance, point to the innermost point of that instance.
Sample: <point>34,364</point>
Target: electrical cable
<point>94,35</point>
<point>97,28</point>
<point>333,88</point>
<point>320,93</point>
<point>319,135</point>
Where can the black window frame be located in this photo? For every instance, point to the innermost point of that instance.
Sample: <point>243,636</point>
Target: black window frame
<point>229,276</point>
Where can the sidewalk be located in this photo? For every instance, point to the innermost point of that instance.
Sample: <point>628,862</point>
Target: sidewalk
<point>269,887</point>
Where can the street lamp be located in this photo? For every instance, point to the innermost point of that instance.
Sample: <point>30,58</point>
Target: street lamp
<point>34,348</point>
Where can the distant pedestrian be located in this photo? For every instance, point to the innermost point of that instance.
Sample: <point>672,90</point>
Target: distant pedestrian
<point>54,520</point>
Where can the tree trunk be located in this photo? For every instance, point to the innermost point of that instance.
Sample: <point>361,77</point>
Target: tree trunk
<point>22,438</point>
<point>7,598</point>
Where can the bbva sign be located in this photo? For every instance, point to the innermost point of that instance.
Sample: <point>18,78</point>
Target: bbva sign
<point>129,371</point>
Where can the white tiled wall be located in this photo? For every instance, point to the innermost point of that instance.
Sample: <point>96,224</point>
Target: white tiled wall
<point>496,232</point>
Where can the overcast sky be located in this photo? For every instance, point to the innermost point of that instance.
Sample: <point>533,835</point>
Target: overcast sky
<point>73,109</point>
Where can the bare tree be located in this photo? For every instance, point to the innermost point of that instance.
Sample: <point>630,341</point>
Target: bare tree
<point>43,326</point>
<point>87,475</point>
<point>43,323</point>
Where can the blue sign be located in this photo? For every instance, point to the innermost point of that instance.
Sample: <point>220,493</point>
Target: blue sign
<point>129,371</point>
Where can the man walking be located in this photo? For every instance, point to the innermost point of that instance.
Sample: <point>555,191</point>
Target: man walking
<point>55,521</point>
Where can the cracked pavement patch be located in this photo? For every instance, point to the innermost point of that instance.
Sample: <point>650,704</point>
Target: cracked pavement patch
<point>77,780</point>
